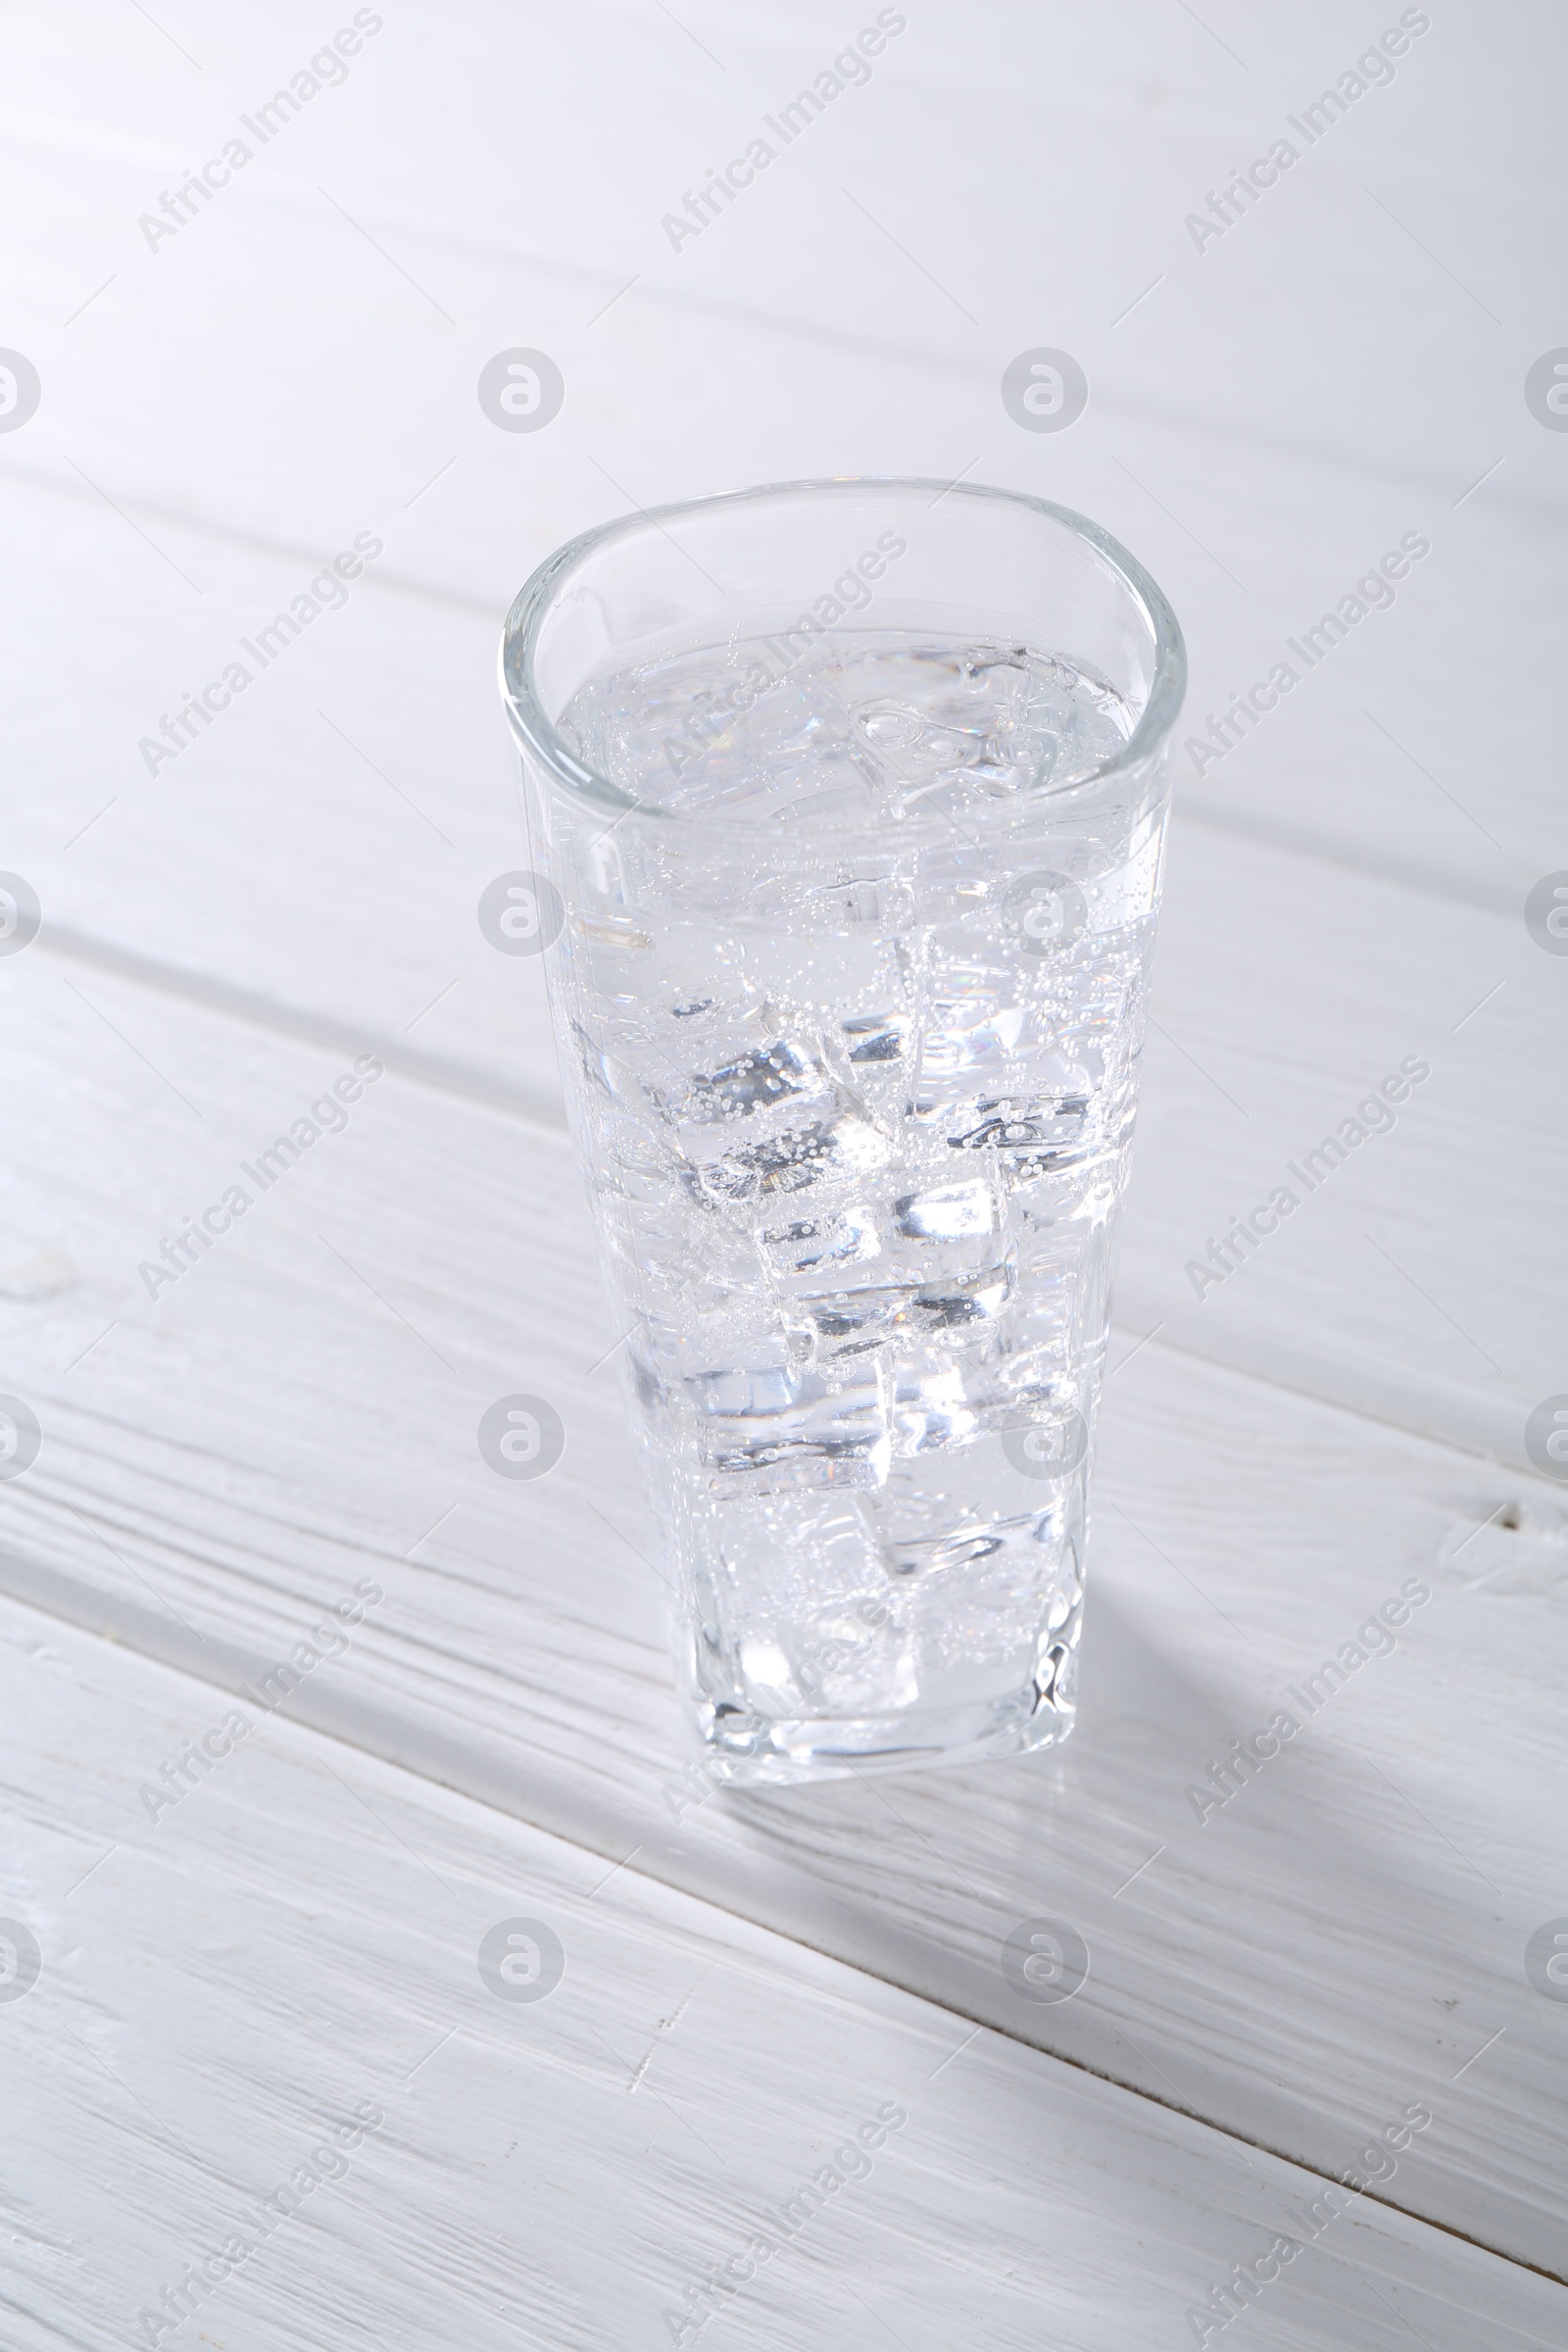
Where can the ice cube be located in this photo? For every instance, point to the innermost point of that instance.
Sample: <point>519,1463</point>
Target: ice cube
<point>1033,1131</point>
<point>852,1322</point>
<point>823,1243</point>
<point>951,1213</point>
<point>940,1258</point>
<point>955,1385</point>
<point>876,1037</point>
<point>777,1430</point>
<point>792,1121</point>
<point>768,1676</point>
<point>754,1080</point>
<point>859,1660</point>
<point>961,1301</point>
<point>792,1158</point>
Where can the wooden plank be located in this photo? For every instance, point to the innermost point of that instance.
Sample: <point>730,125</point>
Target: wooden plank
<point>291,1953</point>
<point>299,1410</point>
<point>1099,145</point>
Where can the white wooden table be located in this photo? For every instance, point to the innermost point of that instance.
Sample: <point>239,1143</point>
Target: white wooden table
<point>258,2021</point>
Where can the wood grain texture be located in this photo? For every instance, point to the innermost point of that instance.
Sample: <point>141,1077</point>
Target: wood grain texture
<point>294,1947</point>
<point>299,1411</point>
<point>330,410</point>
<point>316,859</point>
<point>1281,409</point>
<point>525,135</point>
<point>1345,1412</point>
<point>1416,1281</point>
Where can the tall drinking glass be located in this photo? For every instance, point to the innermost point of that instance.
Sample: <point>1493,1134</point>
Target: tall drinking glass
<point>848,801</point>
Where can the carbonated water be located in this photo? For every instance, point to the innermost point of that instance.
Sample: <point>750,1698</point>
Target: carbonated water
<point>855,1002</point>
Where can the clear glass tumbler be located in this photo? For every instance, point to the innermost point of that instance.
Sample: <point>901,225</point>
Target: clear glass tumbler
<point>847,801</point>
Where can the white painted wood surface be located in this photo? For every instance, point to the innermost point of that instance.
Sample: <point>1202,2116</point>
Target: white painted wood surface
<point>302,1407</point>
<point>294,1946</point>
<point>1347,888</point>
<point>1420,1284</point>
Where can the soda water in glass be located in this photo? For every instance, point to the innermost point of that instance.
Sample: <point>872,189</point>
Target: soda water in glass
<point>848,801</point>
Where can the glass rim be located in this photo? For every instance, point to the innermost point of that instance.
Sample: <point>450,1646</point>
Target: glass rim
<point>536,732</point>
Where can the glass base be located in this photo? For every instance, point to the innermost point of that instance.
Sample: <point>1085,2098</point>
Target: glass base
<point>750,1750</point>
